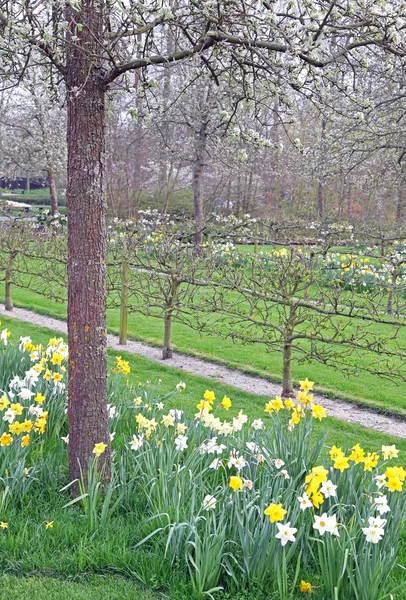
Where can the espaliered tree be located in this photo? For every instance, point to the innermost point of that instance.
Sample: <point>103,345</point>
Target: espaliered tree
<point>165,274</point>
<point>93,43</point>
<point>288,301</point>
<point>34,259</point>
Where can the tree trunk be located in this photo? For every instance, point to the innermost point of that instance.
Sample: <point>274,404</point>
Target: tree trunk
<point>389,305</point>
<point>8,303</point>
<point>125,276</point>
<point>197,184</point>
<point>87,409</point>
<point>53,192</point>
<point>167,351</point>
<point>287,387</point>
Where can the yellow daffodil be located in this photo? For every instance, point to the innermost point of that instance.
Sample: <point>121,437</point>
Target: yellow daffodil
<point>305,587</point>
<point>49,524</point>
<point>204,405</point>
<point>317,499</point>
<point>17,408</point>
<point>336,453</point>
<point>357,454</point>
<point>304,398</point>
<point>6,439</point>
<point>318,412</point>
<point>27,426</point>
<point>370,461</point>
<point>15,428</point>
<point>4,403</point>
<point>275,512</point>
<point>341,463</point>
<point>226,402</point>
<point>236,483</point>
<point>3,525</point>
<point>56,358</point>
<point>394,484</point>
<point>40,425</point>
<point>39,398</point>
<point>25,440</point>
<point>99,448</point>
<point>209,396</point>
<point>306,385</point>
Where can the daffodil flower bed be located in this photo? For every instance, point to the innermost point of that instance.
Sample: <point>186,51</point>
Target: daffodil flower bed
<point>238,503</point>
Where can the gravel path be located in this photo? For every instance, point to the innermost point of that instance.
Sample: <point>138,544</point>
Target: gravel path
<point>339,409</point>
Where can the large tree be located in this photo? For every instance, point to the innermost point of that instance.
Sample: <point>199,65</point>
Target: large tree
<point>92,43</point>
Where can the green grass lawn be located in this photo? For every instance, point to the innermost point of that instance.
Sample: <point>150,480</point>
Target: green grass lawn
<point>94,587</point>
<point>142,370</point>
<point>87,566</point>
<point>364,388</point>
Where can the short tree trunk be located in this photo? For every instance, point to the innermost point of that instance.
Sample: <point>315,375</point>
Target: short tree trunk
<point>167,351</point>
<point>389,305</point>
<point>287,387</point>
<point>8,303</point>
<point>87,409</point>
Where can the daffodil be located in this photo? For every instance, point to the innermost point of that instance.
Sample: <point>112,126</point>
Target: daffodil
<point>357,454</point>
<point>236,483</point>
<point>390,452</point>
<point>226,402</point>
<point>209,396</point>
<point>6,439</point>
<point>305,587</point>
<point>306,385</point>
<point>341,463</point>
<point>39,398</point>
<point>99,448</point>
<point>285,533</point>
<point>318,412</point>
<point>275,512</point>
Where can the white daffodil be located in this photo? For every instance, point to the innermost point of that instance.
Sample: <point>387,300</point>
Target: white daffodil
<point>285,533</point>
<point>137,442</point>
<point>381,505</point>
<point>181,442</point>
<point>305,502</point>
<point>209,502</point>
<point>328,489</point>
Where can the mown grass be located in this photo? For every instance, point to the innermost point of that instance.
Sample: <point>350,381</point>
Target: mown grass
<point>93,587</point>
<point>363,388</point>
<point>32,557</point>
<point>143,370</point>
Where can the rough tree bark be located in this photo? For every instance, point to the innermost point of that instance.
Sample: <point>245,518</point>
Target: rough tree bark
<point>86,240</point>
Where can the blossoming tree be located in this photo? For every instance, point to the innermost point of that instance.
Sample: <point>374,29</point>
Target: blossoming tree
<point>90,44</point>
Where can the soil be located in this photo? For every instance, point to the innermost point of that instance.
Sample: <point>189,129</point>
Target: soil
<point>339,409</point>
